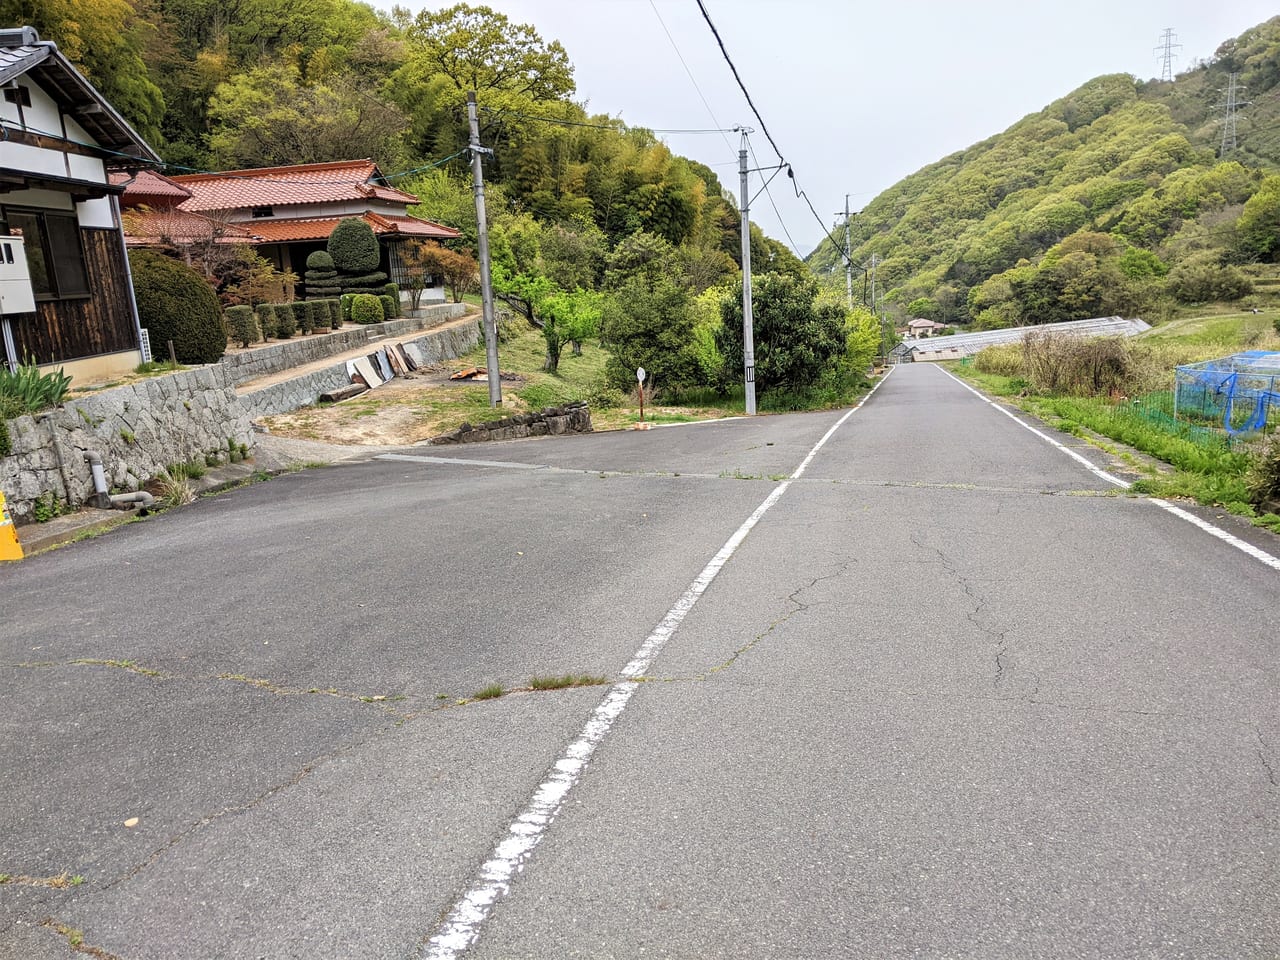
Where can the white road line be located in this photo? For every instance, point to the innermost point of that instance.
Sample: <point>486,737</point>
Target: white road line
<point>461,928</point>
<point>505,464</point>
<point>1256,552</point>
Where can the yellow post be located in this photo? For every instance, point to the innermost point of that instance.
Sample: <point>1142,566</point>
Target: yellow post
<point>10,548</point>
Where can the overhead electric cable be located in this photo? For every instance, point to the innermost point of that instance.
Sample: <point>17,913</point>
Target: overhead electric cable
<point>742,86</point>
<point>602,126</point>
<point>711,113</point>
<point>781,222</point>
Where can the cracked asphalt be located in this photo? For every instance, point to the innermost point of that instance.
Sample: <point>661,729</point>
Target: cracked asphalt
<point>951,697</point>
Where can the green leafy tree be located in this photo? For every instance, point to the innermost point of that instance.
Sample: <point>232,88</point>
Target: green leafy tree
<point>647,323</point>
<point>270,116</point>
<point>568,318</point>
<point>795,342</point>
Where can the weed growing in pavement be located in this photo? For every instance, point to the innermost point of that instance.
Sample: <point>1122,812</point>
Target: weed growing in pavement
<point>491,692</point>
<point>568,680</point>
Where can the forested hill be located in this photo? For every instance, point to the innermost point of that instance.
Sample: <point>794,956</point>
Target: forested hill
<point>1114,199</point>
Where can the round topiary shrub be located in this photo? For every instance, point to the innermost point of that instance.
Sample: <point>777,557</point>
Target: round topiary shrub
<point>175,303</point>
<point>320,260</point>
<point>388,306</point>
<point>353,247</point>
<point>366,308</point>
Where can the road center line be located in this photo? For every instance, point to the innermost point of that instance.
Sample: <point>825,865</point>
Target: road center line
<point>462,926</point>
<point>1244,546</point>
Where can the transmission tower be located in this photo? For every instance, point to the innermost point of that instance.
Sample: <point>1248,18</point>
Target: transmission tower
<point>1232,104</point>
<point>1164,52</point>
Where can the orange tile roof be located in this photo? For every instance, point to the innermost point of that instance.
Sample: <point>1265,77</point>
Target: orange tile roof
<point>319,228</point>
<point>146,227</point>
<point>150,188</point>
<point>298,184</point>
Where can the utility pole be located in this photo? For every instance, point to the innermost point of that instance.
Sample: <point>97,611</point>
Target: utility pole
<point>1164,52</point>
<point>482,232</point>
<point>1233,104</point>
<point>848,253</point>
<point>748,335</point>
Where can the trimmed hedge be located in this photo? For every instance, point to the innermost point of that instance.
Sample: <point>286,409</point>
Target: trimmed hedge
<point>335,314</point>
<point>320,260</point>
<point>242,325</point>
<point>388,306</point>
<point>175,303</point>
<point>267,320</point>
<point>367,308</point>
<point>286,324</point>
<point>344,305</point>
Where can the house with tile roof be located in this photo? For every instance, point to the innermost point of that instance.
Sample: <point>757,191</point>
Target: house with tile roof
<point>66,297</point>
<point>285,213</point>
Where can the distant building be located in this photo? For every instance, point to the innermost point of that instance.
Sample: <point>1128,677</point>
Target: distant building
<point>924,328</point>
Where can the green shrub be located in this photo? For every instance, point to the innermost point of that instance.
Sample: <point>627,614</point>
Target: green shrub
<point>335,313</point>
<point>319,260</point>
<point>242,325</point>
<point>366,308</point>
<point>388,306</point>
<point>175,303</point>
<point>267,320</point>
<point>27,390</point>
<point>1004,360</point>
<point>286,324</point>
<point>393,291</point>
<point>364,283</point>
<point>305,311</point>
<point>353,247</point>
<point>344,305</point>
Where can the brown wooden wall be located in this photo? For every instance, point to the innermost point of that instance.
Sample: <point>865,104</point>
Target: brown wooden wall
<point>63,330</point>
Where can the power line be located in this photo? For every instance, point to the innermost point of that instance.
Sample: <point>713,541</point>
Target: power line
<point>790,172</point>
<point>742,86</point>
<point>603,126</point>
<point>711,113</point>
<point>777,212</point>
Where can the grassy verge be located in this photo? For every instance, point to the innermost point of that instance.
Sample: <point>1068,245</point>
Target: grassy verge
<point>1208,472</point>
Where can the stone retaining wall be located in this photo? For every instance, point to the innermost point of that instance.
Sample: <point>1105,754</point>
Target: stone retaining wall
<point>433,347</point>
<point>142,428</point>
<point>264,361</point>
<point>138,430</point>
<point>572,418</point>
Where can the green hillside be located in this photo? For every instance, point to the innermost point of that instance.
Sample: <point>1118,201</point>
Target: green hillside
<point>1113,199</point>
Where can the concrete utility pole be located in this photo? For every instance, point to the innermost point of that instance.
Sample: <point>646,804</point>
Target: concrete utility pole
<point>1164,52</point>
<point>748,335</point>
<point>1233,104</point>
<point>848,252</point>
<point>482,231</point>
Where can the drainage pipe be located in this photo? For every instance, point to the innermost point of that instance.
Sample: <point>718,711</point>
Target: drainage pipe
<point>127,501</point>
<point>101,496</point>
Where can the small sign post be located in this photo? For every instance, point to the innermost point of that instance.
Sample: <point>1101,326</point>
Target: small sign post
<point>640,386</point>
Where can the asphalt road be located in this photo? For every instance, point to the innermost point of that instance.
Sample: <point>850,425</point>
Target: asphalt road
<point>951,695</point>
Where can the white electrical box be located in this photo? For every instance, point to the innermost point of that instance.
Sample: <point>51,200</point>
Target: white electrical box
<point>16,293</point>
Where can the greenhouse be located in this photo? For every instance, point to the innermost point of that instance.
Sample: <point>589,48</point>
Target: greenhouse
<point>1236,393</point>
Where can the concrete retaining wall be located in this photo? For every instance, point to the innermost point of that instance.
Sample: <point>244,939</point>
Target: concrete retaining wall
<point>573,418</point>
<point>138,430</point>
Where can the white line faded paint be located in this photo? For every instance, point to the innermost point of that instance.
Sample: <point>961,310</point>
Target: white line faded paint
<point>461,928</point>
<point>1244,546</point>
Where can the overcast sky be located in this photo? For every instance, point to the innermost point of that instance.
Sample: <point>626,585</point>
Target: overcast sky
<point>856,95</point>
